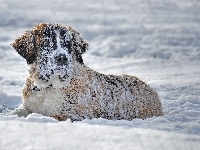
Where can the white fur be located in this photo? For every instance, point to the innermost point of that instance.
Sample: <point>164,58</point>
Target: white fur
<point>47,102</point>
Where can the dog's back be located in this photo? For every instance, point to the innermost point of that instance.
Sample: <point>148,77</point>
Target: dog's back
<point>112,97</point>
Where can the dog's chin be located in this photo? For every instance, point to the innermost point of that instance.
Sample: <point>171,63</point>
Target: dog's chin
<point>62,74</point>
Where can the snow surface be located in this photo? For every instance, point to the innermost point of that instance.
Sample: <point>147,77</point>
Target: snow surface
<point>157,41</point>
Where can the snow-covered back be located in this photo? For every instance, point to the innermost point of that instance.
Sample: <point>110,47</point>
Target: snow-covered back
<point>157,41</point>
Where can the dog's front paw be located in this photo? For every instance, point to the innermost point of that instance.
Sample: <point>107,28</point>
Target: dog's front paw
<point>20,112</point>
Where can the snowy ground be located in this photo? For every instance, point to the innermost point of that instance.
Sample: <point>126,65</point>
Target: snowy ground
<point>157,40</point>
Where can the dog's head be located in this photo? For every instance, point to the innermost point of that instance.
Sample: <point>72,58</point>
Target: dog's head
<point>52,48</point>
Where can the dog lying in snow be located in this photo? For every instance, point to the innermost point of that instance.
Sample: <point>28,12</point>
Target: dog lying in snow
<point>61,86</point>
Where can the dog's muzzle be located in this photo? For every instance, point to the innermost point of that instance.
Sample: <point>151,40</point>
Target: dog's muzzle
<point>61,59</point>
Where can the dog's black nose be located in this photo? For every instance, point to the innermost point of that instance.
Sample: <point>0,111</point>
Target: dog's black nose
<point>61,59</point>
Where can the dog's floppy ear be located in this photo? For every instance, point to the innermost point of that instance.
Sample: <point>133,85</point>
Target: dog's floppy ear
<point>80,45</point>
<point>26,47</point>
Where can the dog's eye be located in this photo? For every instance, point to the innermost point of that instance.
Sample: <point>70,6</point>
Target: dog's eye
<point>66,44</point>
<point>45,43</point>
<point>62,32</point>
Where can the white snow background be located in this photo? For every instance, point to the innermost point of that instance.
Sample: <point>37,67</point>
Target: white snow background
<point>155,40</point>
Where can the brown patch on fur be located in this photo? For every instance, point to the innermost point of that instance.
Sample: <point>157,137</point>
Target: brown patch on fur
<point>27,44</point>
<point>78,85</point>
<point>60,117</point>
<point>25,47</point>
<point>27,88</point>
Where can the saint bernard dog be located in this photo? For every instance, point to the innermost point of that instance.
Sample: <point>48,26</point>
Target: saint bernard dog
<point>60,85</point>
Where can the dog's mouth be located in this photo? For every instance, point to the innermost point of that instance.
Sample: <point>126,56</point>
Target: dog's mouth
<point>48,81</point>
<point>62,74</point>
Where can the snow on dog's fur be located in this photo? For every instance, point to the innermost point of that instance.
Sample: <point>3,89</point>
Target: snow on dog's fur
<point>61,86</point>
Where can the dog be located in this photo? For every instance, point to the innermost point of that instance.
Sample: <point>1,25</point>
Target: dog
<point>60,85</point>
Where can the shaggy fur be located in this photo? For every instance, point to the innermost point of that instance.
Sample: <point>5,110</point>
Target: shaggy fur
<point>61,86</point>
